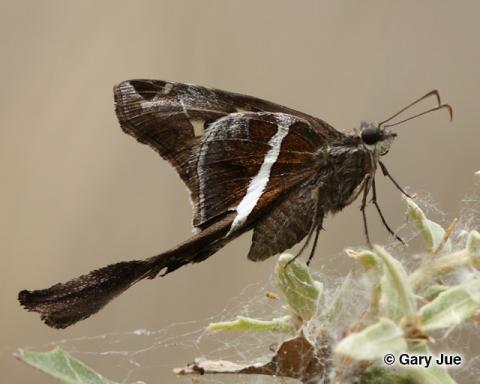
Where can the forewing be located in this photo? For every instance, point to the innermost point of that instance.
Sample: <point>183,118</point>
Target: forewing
<point>247,160</point>
<point>175,118</point>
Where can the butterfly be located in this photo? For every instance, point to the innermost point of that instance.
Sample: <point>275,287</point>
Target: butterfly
<point>249,164</point>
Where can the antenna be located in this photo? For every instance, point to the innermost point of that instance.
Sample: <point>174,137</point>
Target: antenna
<point>429,94</point>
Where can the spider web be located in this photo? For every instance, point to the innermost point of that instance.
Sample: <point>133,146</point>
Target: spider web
<point>133,356</point>
<point>463,339</point>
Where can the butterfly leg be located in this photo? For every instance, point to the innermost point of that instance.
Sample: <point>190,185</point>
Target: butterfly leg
<point>387,174</point>
<point>316,227</point>
<point>375,203</point>
<point>305,244</point>
<point>316,224</point>
<point>315,241</point>
<point>366,189</point>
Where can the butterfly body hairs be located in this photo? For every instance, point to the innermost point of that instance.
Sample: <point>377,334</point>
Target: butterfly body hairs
<point>248,164</point>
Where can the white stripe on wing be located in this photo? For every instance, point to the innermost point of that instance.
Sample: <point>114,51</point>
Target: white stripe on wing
<point>258,183</point>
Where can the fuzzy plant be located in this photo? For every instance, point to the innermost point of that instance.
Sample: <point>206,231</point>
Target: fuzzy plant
<point>406,311</point>
<point>409,304</point>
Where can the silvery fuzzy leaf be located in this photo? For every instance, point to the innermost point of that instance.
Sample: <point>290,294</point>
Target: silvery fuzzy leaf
<point>241,323</point>
<point>431,375</point>
<point>369,260</point>
<point>374,341</point>
<point>373,264</point>
<point>473,247</point>
<point>380,375</point>
<point>397,298</point>
<point>452,306</point>
<point>432,232</point>
<point>336,305</point>
<point>433,291</point>
<point>302,292</point>
<point>63,366</point>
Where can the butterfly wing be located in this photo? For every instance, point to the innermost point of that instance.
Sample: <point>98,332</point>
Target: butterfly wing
<point>208,134</point>
<point>249,160</point>
<point>248,163</point>
<point>288,222</point>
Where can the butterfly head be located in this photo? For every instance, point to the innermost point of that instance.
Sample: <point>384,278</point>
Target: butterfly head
<point>377,140</point>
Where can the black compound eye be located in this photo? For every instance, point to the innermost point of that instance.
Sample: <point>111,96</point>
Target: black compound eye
<point>371,136</point>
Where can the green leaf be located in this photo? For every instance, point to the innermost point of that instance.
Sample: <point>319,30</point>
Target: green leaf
<point>431,375</point>
<point>433,291</point>
<point>432,232</point>
<point>279,324</point>
<point>452,306</point>
<point>370,261</point>
<point>374,341</point>
<point>397,298</point>
<point>438,267</point>
<point>298,286</point>
<point>63,366</point>
<point>337,302</point>
<point>373,264</point>
<point>378,375</point>
<point>473,247</point>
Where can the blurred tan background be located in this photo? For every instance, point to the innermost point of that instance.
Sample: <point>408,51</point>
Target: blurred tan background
<point>78,194</point>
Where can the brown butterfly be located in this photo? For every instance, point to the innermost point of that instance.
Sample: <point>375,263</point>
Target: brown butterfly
<point>248,164</point>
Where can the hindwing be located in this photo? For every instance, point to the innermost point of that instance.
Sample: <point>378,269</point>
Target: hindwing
<point>287,223</point>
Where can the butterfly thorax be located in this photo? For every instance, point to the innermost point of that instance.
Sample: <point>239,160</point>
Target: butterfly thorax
<point>342,169</point>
